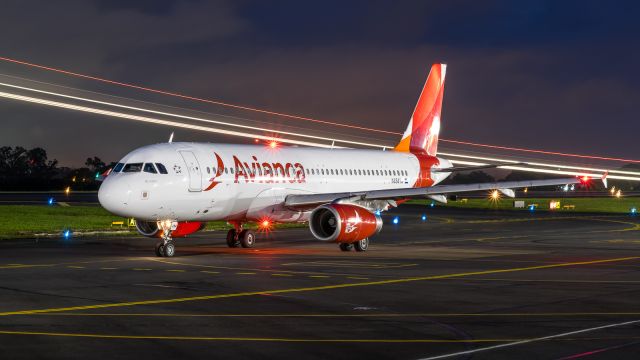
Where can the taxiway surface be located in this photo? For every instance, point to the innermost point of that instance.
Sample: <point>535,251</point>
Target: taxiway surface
<point>460,285</point>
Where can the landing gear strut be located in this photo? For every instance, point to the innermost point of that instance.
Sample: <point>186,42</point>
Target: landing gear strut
<point>240,237</point>
<point>359,246</point>
<point>166,247</point>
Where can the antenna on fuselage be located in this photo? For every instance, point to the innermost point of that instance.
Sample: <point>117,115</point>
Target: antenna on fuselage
<point>171,138</point>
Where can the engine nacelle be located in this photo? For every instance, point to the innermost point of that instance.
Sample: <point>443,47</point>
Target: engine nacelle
<point>184,228</point>
<point>343,223</point>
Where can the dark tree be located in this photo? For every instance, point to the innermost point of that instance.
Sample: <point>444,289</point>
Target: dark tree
<point>94,164</point>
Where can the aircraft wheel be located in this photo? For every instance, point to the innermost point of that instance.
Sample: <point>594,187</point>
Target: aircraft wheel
<point>361,245</point>
<point>247,238</point>
<point>232,239</point>
<point>159,249</point>
<point>346,246</point>
<point>169,249</point>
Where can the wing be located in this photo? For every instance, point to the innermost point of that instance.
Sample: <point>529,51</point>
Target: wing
<point>307,200</point>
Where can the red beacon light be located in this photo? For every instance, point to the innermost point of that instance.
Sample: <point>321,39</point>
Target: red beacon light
<point>584,179</point>
<point>265,224</point>
<point>273,144</point>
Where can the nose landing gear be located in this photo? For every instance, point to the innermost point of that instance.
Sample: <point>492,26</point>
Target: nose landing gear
<point>166,247</point>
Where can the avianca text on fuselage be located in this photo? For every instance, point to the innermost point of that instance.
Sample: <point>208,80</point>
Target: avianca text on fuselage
<point>264,172</point>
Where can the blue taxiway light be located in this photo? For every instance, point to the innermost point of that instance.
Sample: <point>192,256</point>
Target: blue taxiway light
<point>424,217</point>
<point>66,234</point>
<point>634,211</point>
<point>433,204</point>
<point>51,201</point>
<point>396,220</point>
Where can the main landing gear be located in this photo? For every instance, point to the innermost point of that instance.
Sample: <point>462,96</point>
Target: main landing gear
<point>359,246</point>
<point>240,237</point>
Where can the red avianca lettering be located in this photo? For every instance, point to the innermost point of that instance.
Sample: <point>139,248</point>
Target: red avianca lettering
<point>266,172</point>
<point>260,172</point>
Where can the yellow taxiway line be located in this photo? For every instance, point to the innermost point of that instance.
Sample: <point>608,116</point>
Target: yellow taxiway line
<point>367,315</point>
<point>313,288</point>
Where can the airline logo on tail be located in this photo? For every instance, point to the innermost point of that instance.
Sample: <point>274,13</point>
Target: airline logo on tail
<point>421,135</point>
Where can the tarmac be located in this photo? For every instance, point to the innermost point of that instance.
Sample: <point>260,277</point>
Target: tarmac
<point>462,284</point>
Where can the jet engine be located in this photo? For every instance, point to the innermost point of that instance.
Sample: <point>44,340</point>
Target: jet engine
<point>343,223</point>
<point>183,228</point>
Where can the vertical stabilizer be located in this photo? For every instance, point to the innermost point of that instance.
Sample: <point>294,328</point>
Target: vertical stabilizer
<point>422,132</point>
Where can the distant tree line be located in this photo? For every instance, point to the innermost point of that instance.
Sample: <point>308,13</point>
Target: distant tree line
<point>30,170</point>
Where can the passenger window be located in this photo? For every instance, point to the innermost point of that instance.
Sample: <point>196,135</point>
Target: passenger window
<point>341,172</point>
<point>118,167</point>
<point>161,168</point>
<point>208,170</point>
<point>350,172</point>
<point>231,169</point>
<point>133,167</point>
<point>322,171</point>
<point>149,168</point>
<point>226,170</point>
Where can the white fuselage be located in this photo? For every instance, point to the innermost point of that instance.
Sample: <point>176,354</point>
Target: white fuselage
<point>207,182</point>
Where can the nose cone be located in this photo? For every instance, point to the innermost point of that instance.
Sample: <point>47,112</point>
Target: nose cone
<point>114,195</point>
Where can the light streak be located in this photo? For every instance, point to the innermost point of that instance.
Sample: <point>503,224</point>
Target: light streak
<point>284,140</point>
<point>152,120</point>
<point>186,117</point>
<point>193,98</point>
<point>298,117</point>
<point>593,157</point>
<point>537,164</point>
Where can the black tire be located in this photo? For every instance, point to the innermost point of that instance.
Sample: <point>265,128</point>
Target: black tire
<point>247,238</point>
<point>159,249</point>
<point>361,245</point>
<point>346,246</point>
<point>169,249</point>
<point>232,239</point>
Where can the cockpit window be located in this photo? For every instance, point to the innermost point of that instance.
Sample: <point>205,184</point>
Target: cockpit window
<point>117,168</point>
<point>162,169</point>
<point>148,167</point>
<point>133,167</point>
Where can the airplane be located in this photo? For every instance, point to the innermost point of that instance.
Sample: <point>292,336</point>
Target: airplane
<point>172,189</point>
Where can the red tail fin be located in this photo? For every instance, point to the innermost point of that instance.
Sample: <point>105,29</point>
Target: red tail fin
<point>421,135</point>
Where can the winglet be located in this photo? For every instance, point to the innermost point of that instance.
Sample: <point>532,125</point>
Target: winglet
<point>604,178</point>
<point>171,138</point>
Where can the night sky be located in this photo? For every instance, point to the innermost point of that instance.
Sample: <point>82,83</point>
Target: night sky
<point>555,75</point>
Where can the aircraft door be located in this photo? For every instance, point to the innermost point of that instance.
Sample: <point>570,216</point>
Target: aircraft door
<point>195,173</point>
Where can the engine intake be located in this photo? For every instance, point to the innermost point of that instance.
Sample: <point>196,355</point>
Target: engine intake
<point>184,228</point>
<point>343,223</point>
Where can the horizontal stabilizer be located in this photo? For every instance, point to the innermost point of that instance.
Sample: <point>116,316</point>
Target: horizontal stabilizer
<point>471,168</point>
